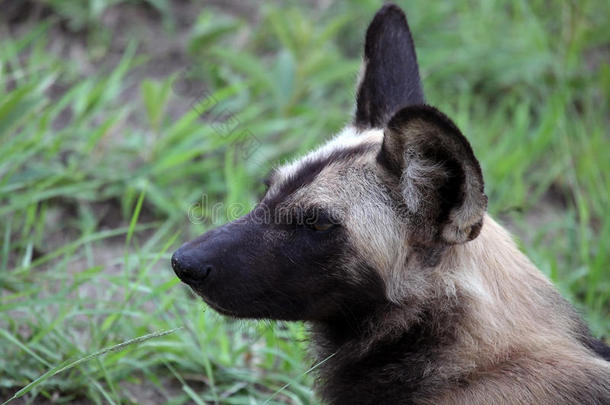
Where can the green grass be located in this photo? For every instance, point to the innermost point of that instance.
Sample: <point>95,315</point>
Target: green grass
<point>99,168</point>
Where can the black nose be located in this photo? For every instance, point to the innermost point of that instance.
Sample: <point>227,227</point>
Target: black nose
<point>188,267</point>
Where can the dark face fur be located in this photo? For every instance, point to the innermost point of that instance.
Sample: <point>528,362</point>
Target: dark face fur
<point>286,269</point>
<point>327,240</point>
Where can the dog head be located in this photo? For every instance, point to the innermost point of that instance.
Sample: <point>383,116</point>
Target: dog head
<point>334,232</point>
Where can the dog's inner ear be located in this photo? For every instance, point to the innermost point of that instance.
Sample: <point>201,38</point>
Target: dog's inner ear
<point>440,180</point>
<point>390,78</point>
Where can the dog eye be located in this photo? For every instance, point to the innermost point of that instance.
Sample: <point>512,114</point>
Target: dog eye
<point>319,221</point>
<point>322,227</point>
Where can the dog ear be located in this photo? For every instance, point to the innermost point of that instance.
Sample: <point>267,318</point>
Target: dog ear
<point>441,183</point>
<point>390,76</point>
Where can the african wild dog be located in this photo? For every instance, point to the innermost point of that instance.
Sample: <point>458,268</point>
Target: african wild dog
<point>381,241</point>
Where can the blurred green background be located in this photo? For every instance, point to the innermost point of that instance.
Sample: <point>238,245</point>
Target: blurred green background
<point>117,116</point>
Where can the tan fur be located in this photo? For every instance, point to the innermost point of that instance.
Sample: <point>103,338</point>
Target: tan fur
<point>352,189</point>
<point>516,339</point>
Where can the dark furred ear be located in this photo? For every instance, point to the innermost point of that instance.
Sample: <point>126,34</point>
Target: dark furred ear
<point>440,179</point>
<point>390,77</point>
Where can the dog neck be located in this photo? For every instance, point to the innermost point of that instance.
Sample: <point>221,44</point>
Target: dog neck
<point>485,304</point>
<point>359,363</point>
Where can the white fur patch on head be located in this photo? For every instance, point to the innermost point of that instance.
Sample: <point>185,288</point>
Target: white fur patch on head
<point>349,137</point>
